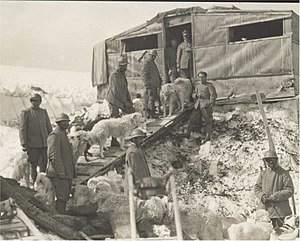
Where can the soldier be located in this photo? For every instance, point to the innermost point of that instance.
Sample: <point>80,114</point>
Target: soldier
<point>118,95</point>
<point>171,60</point>
<point>273,189</point>
<point>205,97</point>
<point>152,82</point>
<point>34,129</point>
<point>61,168</point>
<point>184,56</point>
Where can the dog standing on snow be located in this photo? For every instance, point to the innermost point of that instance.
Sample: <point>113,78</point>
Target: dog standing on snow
<point>21,168</point>
<point>138,105</point>
<point>45,189</point>
<point>115,127</point>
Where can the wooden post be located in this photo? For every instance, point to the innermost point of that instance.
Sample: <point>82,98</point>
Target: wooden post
<point>164,42</point>
<point>261,108</point>
<point>175,204</point>
<point>131,205</point>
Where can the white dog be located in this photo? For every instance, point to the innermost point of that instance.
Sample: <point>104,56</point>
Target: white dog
<point>21,169</point>
<point>116,127</point>
<point>138,105</point>
<point>45,189</point>
<point>79,141</point>
<point>177,92</point>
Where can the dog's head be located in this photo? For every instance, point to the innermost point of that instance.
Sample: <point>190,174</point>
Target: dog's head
<point>138,119</point>
<point>262,215</point>
<point>79,138</point>
<point>167,90</point>
<point>138,105</point>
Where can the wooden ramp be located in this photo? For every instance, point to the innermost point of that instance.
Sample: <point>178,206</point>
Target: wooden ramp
<point>115,157</point>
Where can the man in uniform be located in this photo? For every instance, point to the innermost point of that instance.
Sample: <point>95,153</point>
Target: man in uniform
<point>171,60</point>
<point>152,83</point>
<point>273,189</point>
<point>184,56</point>
<point>205,97</point>
<point>61,168</point>
<point>118,95</point>
<point>34,129</point>
<point>136,157</point>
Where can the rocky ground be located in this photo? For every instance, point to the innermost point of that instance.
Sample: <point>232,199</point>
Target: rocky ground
<point>238,143</point>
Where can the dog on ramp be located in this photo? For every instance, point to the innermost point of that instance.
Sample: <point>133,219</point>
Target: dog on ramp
<point>116,127</point>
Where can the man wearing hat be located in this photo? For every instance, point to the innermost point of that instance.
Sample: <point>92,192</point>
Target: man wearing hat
<point>34,129</point>
<point>184,56</point>
<point>205,96</point>
<point>136,158</point>
<point>152,83</point>
<point>118,95</point>
<point>61,168</point>
<point>273,189</point>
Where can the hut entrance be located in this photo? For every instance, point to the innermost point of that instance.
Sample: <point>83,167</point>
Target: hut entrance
<point>174,33</point>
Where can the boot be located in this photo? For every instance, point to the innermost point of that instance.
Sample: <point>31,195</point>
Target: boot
<point>61,206</point>
<point>114,142</point>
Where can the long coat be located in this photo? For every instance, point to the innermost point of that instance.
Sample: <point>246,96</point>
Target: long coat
<point>60,155</point>
<point>184,55</point>
<point>35,127</point>
<point>118,94</point>
<point>150,74</point>
<point>136,160</point>
<point>278,185</point>
<point>205,94</point>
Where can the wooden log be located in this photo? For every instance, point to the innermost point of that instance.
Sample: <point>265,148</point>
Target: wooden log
<point>41,218</point>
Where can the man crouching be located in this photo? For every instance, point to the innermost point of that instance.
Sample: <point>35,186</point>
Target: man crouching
<point>61,165</point>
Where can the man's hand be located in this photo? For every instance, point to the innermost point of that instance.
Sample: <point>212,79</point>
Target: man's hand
<point>24,148</point>
<point>62,175</point>
<point>264,199</point>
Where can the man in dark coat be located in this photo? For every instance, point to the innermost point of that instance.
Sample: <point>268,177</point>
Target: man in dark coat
<point>273,189</point>
<point>205,97</point>
<point>118,95</point>
<point>184,56</point>
<point>136,158</point>
<point>61,168</point>
<point>34,129</point>
<point>152,83</point>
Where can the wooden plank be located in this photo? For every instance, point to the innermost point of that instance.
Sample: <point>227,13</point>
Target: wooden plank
<point>42,219</point>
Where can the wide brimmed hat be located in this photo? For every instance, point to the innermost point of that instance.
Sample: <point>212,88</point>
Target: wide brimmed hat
<point>137,133</point>
<point>123,60</point>
<point>35,96</point>
<point>153,52</point>
<point>185,33</point>
<point>270,154</point>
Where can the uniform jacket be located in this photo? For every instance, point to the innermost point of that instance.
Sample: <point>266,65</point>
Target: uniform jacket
<point>136,160</point>
<point>60,155</point>
<point>184,55</point>
<point>205,94</point>
<point>171,57</point>
<point>150,75</point>
<point>118,94</point>
<point>277,185</point>
<point>35,127</point>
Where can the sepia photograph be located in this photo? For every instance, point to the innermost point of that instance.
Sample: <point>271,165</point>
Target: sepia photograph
<point>154,120</point>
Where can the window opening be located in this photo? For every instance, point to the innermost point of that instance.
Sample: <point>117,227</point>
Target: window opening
<point>256,31</point>
<point>141,43</point>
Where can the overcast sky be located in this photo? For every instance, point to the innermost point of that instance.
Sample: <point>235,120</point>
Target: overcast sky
<point>61,35</point>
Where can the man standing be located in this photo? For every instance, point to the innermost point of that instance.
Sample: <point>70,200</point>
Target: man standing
<point>118,95</point>
<point>34,129</point>
<point>61,168</point>
<point>205,97</point>
<point>273,189</point>
<point>152,83</point>
<point>136,157</point>
<point>184,56</point>
<point>171,60</point>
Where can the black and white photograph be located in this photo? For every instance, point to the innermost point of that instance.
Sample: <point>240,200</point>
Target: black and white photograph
<point>154,120</point>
